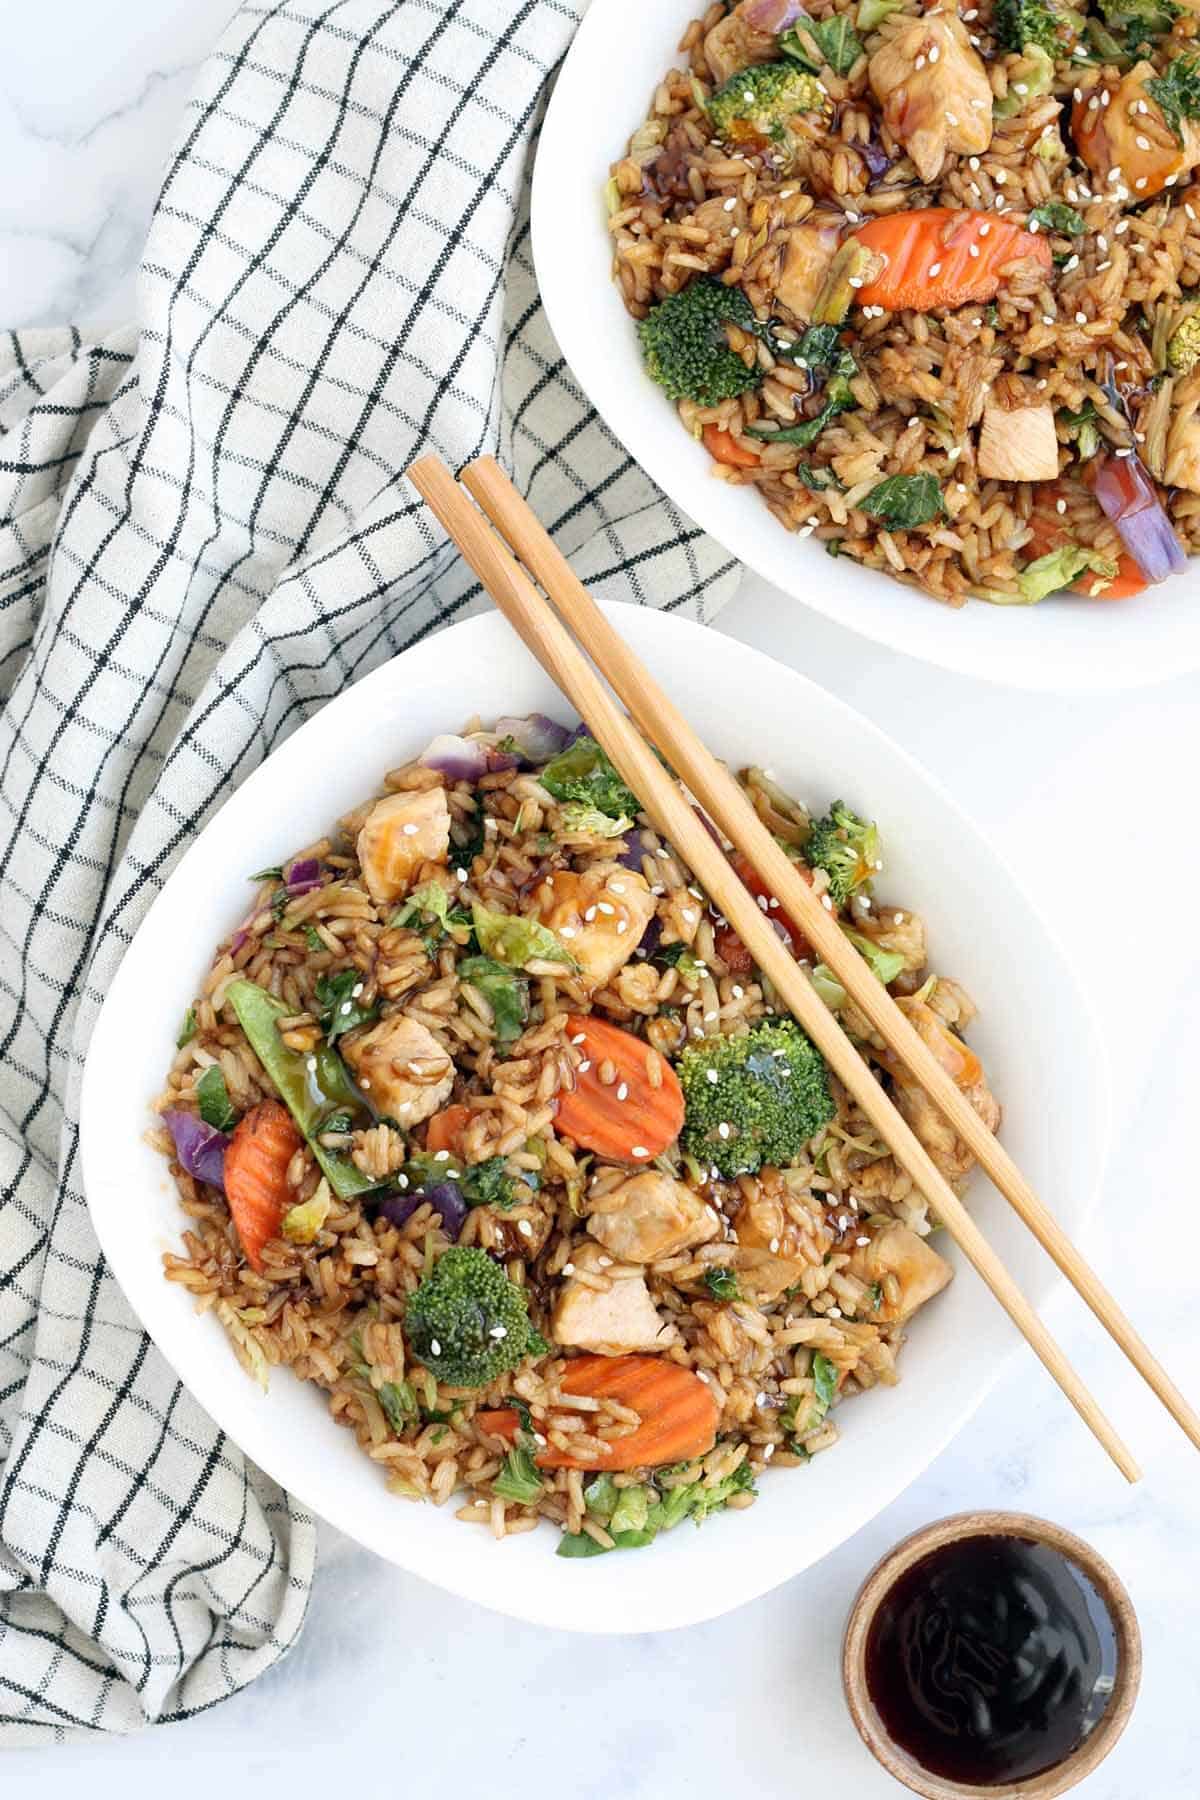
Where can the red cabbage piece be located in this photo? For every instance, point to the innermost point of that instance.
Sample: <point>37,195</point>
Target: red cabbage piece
<point>445,1197</point>
<point>200,1148</point>
<point>1127,495</point>
<point>536,738</point>
<point>303,876</point>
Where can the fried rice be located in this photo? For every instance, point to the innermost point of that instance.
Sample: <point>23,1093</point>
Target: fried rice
<point>786,1290</point>
<point>1017,404</point>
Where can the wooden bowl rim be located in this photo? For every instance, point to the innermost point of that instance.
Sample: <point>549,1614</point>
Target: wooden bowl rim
<point>1099,1741</point>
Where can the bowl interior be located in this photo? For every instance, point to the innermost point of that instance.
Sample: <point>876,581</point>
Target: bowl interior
<point>982,927</point>
<point>1062,645</point>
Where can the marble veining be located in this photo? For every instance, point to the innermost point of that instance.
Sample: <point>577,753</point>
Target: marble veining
<point>396,1685</point>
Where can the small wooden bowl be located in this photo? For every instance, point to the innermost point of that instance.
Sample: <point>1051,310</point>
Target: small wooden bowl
<point>1099,1741</point>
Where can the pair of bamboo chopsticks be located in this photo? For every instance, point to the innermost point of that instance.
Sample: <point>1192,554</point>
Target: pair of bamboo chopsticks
<point>548,640</point>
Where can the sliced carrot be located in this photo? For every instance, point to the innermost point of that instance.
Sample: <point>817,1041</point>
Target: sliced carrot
<point>678,1413</point>
<point>626,1119</point>
<point>445,1129</point>
<point>256,1165</point>
<point>723,447</point>
<point>943,256</point>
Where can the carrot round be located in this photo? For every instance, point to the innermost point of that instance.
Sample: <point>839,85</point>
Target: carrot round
<point>723,447</point>
<point>678,1411</point>
<point>627,1119</point>
<point>943,256</point>
<point>256,1165</point>
<point>445,1129</point>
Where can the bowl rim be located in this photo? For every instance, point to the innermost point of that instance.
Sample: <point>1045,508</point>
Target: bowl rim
<point>1094,651</point>
<point>1088,1755</point>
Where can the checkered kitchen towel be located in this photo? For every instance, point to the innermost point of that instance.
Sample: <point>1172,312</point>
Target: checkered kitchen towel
<point>203,536</point>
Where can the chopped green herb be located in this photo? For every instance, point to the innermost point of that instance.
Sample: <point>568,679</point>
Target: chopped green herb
<point>279,904</point>
<point>1082,429</point>
<point>819,480</point>
<point>875,1292</point>
<point>216,1108</point>
<point>1056,215</point>
<point>272,874</point>
<point>872,13</point>
<point>722,1284</point>
<point>433,901</point>
<point>187,1029</point>
<point>1177,91</point>
<point>339,1007</point>
<point>313,938</point>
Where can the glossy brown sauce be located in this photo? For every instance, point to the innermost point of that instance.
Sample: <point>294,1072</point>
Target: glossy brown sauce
<point>991,1659</point>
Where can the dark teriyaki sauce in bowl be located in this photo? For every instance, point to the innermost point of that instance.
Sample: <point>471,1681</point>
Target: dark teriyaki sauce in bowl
<point>991,1659</point>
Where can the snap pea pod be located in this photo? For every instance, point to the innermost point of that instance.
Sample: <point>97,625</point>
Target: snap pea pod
<point>313,1086</point>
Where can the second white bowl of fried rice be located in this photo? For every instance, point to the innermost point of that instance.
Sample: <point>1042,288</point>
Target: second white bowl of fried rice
<point>478,1312</point>
<point>653,192</point>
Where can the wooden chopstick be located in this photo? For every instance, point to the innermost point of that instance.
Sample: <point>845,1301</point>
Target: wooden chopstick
<point>672,814</point>
<point>717,791</point>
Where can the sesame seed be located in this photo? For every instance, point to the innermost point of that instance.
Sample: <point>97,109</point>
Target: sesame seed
<point>1123,224</point>
<point>855,281</point>
<point>834,1312</point>
<point>584,1066</point>
<point>985,228</point>
<point>567,931</point>
<point>953,454</point>
<point>1072,262</point>
<point>435,1347</point>
<point>722,1130</point>
<point>1100,267</point>
<point>862,1240</point>
<point>768,1452</point>
<point>1093,104</point>
<point>920,63</point>
<point>1140,183</point>
<point>1020,87</point>
<point>409,830</point>
<point>605,1262</point>
<point>951,118</point>
<point>1143,143</point>
<point>524,1227</point>
<point>711,1075</point>
<point>1000,177</point>
<point>640,1150</point>
<point>623,1091</point>
<point>737,992</point>
<point>501,1331</point>
<point>1078,95</point>
<point>934,54</point>
<point>568,1268</point>
<point>731,203</point>
<point>735,231</point>
<point>365,1081</point>
<point>310,1063</point>
<point>1035,225</point>
<point>579,1038</point>
<point>774,1246</point>
<point>1081,318</point>
<point>935,269</point>
<point>972,162</point>
<point>1060,506</point>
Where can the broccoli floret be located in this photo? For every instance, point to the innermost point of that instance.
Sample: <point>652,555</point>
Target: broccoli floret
<point>1183,348</point>
<point>754,106</point>
<point>1021,23</point>
<point>846,847</point>
<point>582,773</point>
<point>467,1322</point>
<point>753,1099</point>
<point>685,344</point>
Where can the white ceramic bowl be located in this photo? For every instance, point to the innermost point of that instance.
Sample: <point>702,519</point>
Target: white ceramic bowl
<point>1035,1037</point>
<point>1065,646</point>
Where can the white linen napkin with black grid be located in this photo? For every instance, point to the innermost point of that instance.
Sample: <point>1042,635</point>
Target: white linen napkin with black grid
<point>203,536</point>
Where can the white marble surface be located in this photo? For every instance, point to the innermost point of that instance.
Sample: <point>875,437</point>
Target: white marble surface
<point>383,1692</point>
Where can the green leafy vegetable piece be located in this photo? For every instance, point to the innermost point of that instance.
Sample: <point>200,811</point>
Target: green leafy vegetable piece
<point>519,1479</point>
<point>828,987</point>
<point>506,992</point>
<point>337,1005</point>
<point>313,938</point>
<point>824,1381</point>
<point>1056,215</point>
<point>872,13</point>
<point>273,874</point>
<point>311,1087</point>
<point>187,1028</point>
<point>577,817</point>
<point>514,941</point>
<point>216,1108</point>
<point>904,501</point>
<point>887,964</point>
<point>432,901</point>
<point>302,1223</point>
<point>876,1293</point>
<point>583,773</point>
<point>722,1284</point>
<point>836,40</point>
<point>578,1543</point>
<point>600,1497</point>
<point>1082,429</point>
<point>824,1377</point>
<point>1141,23</point>
<point>1177,91</point>
<point>1058,569</point>
<point>631,1511</point>
<point>1028,79</point>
